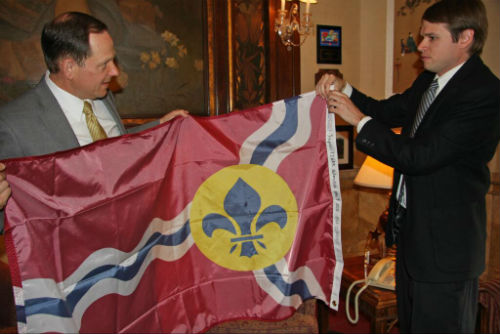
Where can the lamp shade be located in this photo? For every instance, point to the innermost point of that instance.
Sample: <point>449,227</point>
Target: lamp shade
<point>374,174</point>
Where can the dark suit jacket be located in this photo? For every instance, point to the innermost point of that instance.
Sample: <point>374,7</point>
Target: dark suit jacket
<point>447,178</point>
<point>34,124</point>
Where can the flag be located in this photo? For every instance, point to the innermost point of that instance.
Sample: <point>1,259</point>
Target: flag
<point>183,226</point>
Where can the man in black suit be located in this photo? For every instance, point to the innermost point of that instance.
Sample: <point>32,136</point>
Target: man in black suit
<point>80,57</point>
<point>450,130</point>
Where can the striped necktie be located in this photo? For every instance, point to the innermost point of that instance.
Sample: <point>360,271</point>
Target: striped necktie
<point>425,102</point>
<point>95,129</point>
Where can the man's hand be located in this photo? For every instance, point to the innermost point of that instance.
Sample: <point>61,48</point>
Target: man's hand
<point>342,105</point>
<point>324,85</point>
<point>4,187</point>
<point>174,113</point>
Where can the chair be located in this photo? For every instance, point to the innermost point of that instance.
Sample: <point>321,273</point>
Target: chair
<point>304,320</point>
<point>489,306</point>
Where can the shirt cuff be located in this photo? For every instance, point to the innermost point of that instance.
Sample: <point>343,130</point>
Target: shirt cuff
<point>362,123</point>
<point>347,89</point>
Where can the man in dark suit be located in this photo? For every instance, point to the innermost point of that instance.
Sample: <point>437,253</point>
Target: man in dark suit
<point>51,117</point>
<point>450,130</point>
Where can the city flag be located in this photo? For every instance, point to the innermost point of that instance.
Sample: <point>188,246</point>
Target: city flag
<point>191,223</point>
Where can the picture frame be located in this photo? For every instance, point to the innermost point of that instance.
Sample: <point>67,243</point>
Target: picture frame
<point>328,44</point>
<point>161,52</point>
<point>345,146</point>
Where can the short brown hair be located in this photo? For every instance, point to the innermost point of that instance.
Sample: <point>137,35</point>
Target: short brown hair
<point>68,35</point>
<point>460,15</point>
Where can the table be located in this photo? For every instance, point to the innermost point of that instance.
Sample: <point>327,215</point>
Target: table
<point>379,305</point>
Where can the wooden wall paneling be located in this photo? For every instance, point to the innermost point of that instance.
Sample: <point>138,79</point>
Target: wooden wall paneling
<point>218,56</point>
<point>246,64</point>
<point>249,45</point>
<point>250,66</point>
<point>284,65</point>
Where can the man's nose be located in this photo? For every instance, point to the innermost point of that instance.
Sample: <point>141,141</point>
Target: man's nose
<point>113,69</point>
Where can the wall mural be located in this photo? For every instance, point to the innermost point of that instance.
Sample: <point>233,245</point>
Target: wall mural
<point>159,48</point>
<point>407,64</point>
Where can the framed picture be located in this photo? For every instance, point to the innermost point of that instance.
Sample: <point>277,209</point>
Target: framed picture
<point>160,49</point>
<point>344,146</point>
<point>328,44</point>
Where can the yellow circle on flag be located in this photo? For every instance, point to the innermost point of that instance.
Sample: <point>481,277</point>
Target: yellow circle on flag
<point>244,217</point>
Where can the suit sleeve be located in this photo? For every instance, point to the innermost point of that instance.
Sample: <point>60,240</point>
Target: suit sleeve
<point>9,147</point>
<point>142,127</point>
<point>466,128</point>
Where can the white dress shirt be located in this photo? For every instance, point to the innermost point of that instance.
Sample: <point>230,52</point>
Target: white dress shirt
<point>72,107</point>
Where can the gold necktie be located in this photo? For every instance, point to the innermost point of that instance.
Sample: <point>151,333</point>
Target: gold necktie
<point>95,129</point>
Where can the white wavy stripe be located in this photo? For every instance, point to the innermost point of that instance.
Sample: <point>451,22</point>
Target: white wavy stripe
<point>45,322</point>
<point>42,323</point>
<point>48,288</point>
<point>21,327</point>
<point>113,285</point>
<point>19,300</point>
<point>302,273</point>
<point>272,290</point>
<point>300,137</point>
<point>112,256</point>
<point>43,288</point>
<point>39,288</point>
<point>18,295</point>
<point>249,145</point>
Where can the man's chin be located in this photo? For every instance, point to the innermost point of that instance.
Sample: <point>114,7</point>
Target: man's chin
<point>102,94</point>
<point>428,67</point>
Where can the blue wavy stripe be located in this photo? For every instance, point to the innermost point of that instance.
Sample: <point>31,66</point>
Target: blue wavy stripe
<point>298,287</point>
<point>283,133</point>
<point>21,316</point>
<point>64,308</point>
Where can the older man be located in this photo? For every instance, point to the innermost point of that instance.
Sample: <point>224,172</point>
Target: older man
<point>71,105</point>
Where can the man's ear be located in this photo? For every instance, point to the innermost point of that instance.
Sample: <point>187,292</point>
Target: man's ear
<point>68,67</point>
<point>466,38</point>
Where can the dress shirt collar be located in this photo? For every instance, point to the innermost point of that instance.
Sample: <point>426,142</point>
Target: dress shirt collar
<point>68,102</point>
<point>443,80</point>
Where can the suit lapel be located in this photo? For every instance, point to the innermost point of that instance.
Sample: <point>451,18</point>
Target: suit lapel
<point>434,108</point>
<point>420,87</point>
<point>448,93</point>
<point>54,120</point>
<point>109,102</point>
<point>57,124</point>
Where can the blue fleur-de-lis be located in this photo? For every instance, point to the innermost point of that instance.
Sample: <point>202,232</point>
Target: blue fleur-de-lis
<point>242,203</point>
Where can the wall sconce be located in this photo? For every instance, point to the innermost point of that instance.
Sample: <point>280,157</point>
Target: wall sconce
<point>288,24</point>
